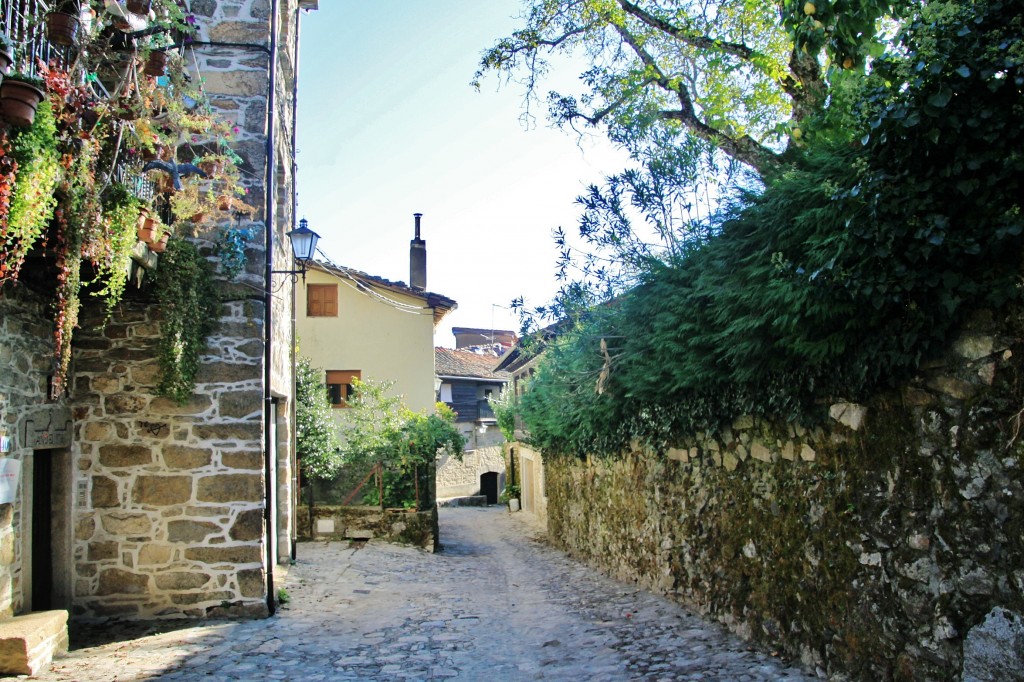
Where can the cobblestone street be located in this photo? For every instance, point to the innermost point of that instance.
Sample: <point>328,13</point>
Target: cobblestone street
<point>496,604</point>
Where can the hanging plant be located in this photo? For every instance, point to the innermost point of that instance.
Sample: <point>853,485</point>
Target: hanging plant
<point>32,201</point>
<point>188,301</point>
<point>230,249</point>
<point>121,213</point>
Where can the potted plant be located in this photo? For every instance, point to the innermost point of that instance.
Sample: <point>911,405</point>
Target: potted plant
<point>62,24</point>
<point>510,496</point>
<point>160,245</point>
<point>20,95</point>
<point>141,7</point>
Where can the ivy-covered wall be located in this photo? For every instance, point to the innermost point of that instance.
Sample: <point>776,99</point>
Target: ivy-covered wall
<point>869,545</point>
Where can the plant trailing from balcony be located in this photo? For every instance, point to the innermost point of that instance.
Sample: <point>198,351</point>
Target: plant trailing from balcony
<point>36,171</point>
<point>230,249</point>
<point>189,304</point>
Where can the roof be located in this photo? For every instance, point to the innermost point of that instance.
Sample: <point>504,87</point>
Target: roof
<point>466,364</point>
<point>483,332</point>
<point>442,305</point>
<point>518,357</point>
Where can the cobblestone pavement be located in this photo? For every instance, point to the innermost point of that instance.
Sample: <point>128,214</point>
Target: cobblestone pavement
<point>497,604</point>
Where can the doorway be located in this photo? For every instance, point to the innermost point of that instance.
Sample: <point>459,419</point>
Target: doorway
<point>47,539</point>
<point>489,486</point>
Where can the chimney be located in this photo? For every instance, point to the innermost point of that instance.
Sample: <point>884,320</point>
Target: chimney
<point>418,259</point>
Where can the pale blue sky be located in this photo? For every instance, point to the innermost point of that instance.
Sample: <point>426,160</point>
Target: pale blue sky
<point>389,126</point>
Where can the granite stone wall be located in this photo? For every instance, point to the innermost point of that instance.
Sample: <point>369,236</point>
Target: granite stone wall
<point>459,478</point>
<point>884,542</point>
<point>26,351</point>
<point>173,520</point>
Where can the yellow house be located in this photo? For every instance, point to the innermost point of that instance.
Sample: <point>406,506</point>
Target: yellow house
<point>351,324</point>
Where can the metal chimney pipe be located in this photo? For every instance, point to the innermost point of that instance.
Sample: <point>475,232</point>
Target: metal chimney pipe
<point>418,259</point>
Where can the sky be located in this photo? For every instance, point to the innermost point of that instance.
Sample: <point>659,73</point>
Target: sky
<point>389,126</point>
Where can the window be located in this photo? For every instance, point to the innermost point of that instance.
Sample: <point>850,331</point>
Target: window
<point>339,385</point>
<point>322,300</point>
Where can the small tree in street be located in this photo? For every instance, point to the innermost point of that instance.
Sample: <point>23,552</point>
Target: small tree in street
<point>316,433</point>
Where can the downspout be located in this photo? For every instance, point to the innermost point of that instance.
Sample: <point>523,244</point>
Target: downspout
<point>294,488</point>
<point>269,216</point>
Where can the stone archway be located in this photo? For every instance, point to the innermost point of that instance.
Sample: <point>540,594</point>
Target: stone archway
<point>489,486</point>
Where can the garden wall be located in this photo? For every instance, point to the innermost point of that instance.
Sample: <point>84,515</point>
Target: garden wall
<point>886,542</point>
<point>401,526</point>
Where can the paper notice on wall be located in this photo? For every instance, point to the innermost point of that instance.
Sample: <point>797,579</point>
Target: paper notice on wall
<point>10,476</point>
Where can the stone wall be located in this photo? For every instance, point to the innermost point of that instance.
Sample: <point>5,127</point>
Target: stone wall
<point>462,478</point>
<point>173,523</point>
<point>364,523</point>
<point>26,350</point>
<point>872,545</point>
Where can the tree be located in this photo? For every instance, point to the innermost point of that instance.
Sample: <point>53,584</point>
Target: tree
<point>741,75</point>
<point>369,432</point>
<point>316,433</point>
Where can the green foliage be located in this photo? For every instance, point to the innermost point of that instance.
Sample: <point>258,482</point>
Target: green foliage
<point>316,433</point>
<point>504,408</point>
<point>230,247</point>
<point>379,429</point>
<point>510,492</point>
<point>121,210</point>
<point>33,199</point>
<point>190,307</point>
<point>848,270</point>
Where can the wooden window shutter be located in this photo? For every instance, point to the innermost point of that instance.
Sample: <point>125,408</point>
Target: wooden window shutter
<point>322,300</point>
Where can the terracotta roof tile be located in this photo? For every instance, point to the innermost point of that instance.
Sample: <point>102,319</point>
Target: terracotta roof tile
<point>463,363</point>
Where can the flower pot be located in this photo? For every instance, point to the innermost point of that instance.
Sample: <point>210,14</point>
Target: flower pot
<point>18,101</point>
<point>513,505</point>
<point>160,245</point>
<point>61,28</point>
<point>211,168</point>
<point>138,6</point>
<point>156,63</point>
<point>147,232</point>
<point>225,202</point>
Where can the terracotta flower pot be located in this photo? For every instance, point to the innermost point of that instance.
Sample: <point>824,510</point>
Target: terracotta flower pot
<point>211,168</point>
<point>61,28</point>
<point>156,63</point>
<point>139,6</point>
<point>160,245</point>
<point>18,101</point>
<point>147,232</point>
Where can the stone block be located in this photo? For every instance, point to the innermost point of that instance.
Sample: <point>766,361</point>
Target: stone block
<point>191,531</point>
<point>195,405</point>
<point>759,452</point>
<point>238,404</point>
<point>955,388</point>
<point>116,581</point>
<point>145,375</point>
<point>251,583</point>
<point>126,524</point>
<point>161,491</point>
<point>28,643</point>
<point>229,433</point>
<point>850,415</point>
<point>182,457</point>
<point>974,346</point>
<point>248,525</point>
<point>104,493</point>
<point>743,422</point>
<point>236,554</point>
<point>124,404</point>
<point>7,554</point>
<point>807,453</point>
<point>231,488</point>
<point>994,650</point>
<point>153,554</point>
<point>181,580</point>
<point>196,597</point>
<point>98,551</point>
<point>226,373</point>
<point>97,431</point>
<point>730,461</point>
<point>116,456</point>
<point>247,459</point>
<point>240,32</point>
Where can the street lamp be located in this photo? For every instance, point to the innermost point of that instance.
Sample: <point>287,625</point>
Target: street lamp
<point>303,242</point>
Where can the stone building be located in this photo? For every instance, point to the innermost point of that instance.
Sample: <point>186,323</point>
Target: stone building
<point>467,382</point>
<point>125,504</point>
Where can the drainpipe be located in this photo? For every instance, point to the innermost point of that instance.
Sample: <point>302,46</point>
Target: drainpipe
<point>295,214</point>
<point>269,219</point>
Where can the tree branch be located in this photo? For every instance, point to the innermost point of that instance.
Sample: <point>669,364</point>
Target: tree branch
<point>701,42</point>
